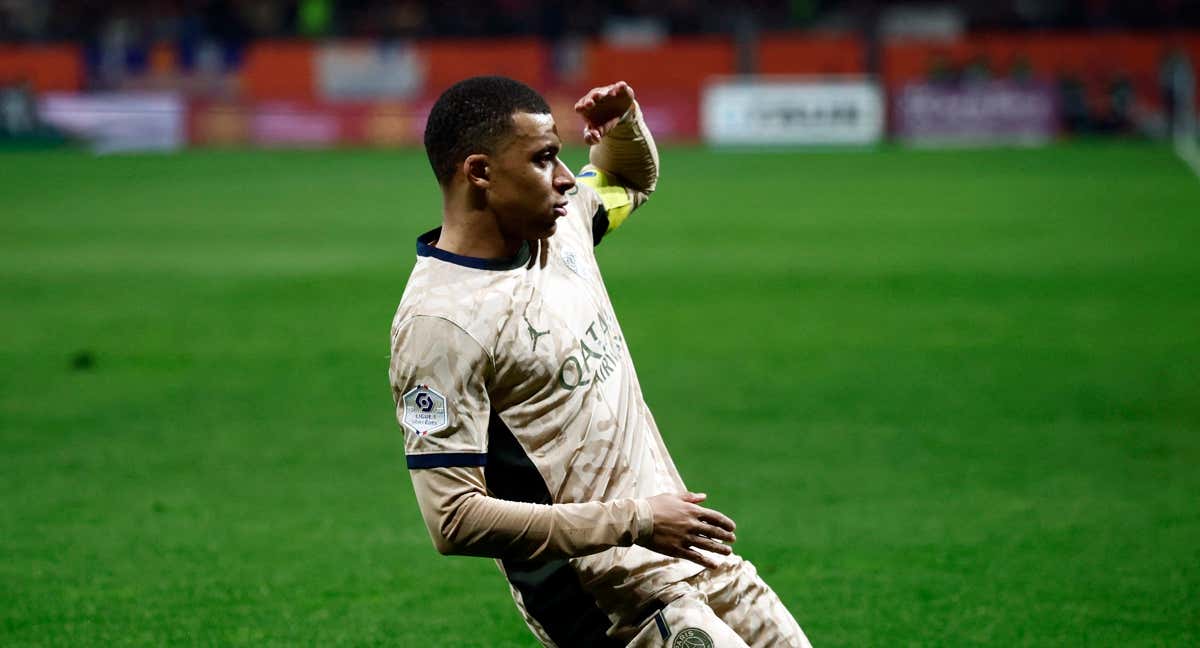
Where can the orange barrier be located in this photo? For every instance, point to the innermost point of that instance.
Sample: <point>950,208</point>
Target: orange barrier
<point>283,70</point>
<point>46,67</point>
<point>803,54</point>
<point>1095,59</point>
<point>286,70</point>
<point>681,65</point>
<point>450,61</point>
<point>279,70</point>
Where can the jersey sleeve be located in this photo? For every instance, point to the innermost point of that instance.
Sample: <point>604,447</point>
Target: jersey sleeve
<point>462,519</point>
<point>438,374</point>
<point>622,172</point>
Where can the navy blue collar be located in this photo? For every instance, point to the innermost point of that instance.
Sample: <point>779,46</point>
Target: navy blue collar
<point>426,248</point>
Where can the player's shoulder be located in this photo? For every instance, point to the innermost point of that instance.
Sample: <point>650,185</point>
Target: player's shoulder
<point>453,312</point>
<point>586,201</point>
<point>422,339</point>
<point>453,306</point>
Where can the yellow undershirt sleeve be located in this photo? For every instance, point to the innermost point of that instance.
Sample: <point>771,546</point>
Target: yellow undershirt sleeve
<point>616,198</point>
<point>623,168</point>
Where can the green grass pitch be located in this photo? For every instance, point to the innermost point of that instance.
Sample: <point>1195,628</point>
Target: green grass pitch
<point>951,398</point>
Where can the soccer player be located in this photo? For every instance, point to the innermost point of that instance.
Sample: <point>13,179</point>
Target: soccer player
<point>526,434</point>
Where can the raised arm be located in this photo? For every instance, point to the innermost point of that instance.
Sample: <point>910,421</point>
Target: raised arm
<point>623,166</point>
<point>621,142</point>
<point>438,374</point>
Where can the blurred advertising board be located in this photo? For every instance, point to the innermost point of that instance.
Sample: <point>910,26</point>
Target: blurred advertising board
<point>287,124</point>
<point>304,124</point>
<point>359,71</point>
<point>792,112</point>
<point>118,121</point>
<point>321,124</point>
<point>671,118</point>
<point>982,112</point>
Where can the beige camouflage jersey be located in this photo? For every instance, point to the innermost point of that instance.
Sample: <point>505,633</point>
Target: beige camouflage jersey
<point>516,392</point>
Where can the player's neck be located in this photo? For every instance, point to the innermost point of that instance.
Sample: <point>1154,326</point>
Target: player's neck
<point>474,233</point>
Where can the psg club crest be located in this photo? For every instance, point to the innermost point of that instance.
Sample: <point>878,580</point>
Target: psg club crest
<point>573,263</point>
<point>424,410</point>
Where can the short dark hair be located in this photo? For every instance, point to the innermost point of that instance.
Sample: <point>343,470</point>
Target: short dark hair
<point>472,116</point>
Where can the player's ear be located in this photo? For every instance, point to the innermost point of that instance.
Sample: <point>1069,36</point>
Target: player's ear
<point>475,168</point>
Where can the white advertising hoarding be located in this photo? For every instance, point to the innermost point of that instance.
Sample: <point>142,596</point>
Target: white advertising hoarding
<point>762,111</point>
<point>119,121</point>
<point>364,71</point>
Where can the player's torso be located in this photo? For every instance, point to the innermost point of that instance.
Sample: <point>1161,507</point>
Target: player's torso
<point>563,380</point>
<point>566,386</point>
<point>565,390</point>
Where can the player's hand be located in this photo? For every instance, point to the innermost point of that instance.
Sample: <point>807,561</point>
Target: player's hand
<point>681,526</point>
<point>602,107</point>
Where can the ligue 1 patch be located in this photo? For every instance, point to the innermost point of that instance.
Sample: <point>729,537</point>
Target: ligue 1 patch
<point>692,638</point>
<point>424,410</point>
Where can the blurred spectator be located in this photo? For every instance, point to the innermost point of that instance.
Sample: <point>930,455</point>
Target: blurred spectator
<point>314,18</point>
<point>19,121</point>
<point>1072,97</point>
<point>1022,70</point>
<point>18,116</point>
<point>941,71</point>
<point>226,20</point>
<point>1177,79</point>
<point>1119,117</point>
<point>977,71</point>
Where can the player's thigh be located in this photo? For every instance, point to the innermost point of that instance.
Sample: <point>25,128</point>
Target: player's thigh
<point>686,623</point>
<point>740,597</point>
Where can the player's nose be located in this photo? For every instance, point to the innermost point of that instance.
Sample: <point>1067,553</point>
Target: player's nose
<point>564,180</point>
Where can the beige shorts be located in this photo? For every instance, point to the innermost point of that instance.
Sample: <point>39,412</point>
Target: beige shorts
<point>726,607</point>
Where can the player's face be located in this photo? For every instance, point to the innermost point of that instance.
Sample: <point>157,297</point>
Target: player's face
<point>528,183</point>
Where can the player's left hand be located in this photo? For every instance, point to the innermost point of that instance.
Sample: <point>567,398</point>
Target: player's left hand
<point>602,107</point>
<point>681,526</point>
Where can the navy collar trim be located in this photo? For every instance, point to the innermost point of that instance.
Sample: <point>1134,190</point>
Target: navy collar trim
<point>426,248</point>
